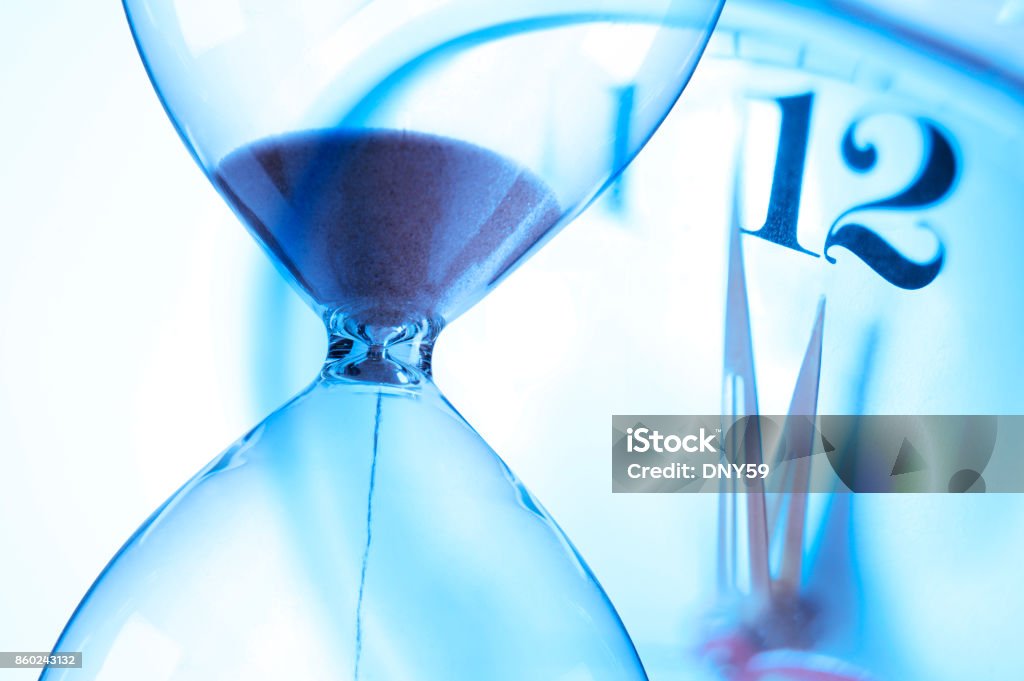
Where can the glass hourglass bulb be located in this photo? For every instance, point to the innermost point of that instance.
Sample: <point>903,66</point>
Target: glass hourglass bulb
<point>396,160</point>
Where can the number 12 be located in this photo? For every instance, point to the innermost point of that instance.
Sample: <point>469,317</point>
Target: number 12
<point>935,178</point>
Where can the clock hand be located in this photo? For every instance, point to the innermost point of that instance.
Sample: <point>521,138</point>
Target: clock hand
<point>832,578</point>
<point>797,447</point>
<point>726,543</point>
<point>740,399</point>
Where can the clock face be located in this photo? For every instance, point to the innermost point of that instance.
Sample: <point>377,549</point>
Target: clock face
<point>883,176</point>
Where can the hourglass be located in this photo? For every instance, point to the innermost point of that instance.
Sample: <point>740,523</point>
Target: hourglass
<point>396,159</point>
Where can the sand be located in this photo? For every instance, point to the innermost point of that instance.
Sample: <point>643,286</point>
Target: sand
<point>388,227</point>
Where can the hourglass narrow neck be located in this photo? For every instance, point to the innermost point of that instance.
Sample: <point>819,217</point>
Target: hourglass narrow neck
<point>393,355</point>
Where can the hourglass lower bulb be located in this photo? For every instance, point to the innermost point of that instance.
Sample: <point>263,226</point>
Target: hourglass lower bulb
<point>364,530</point>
